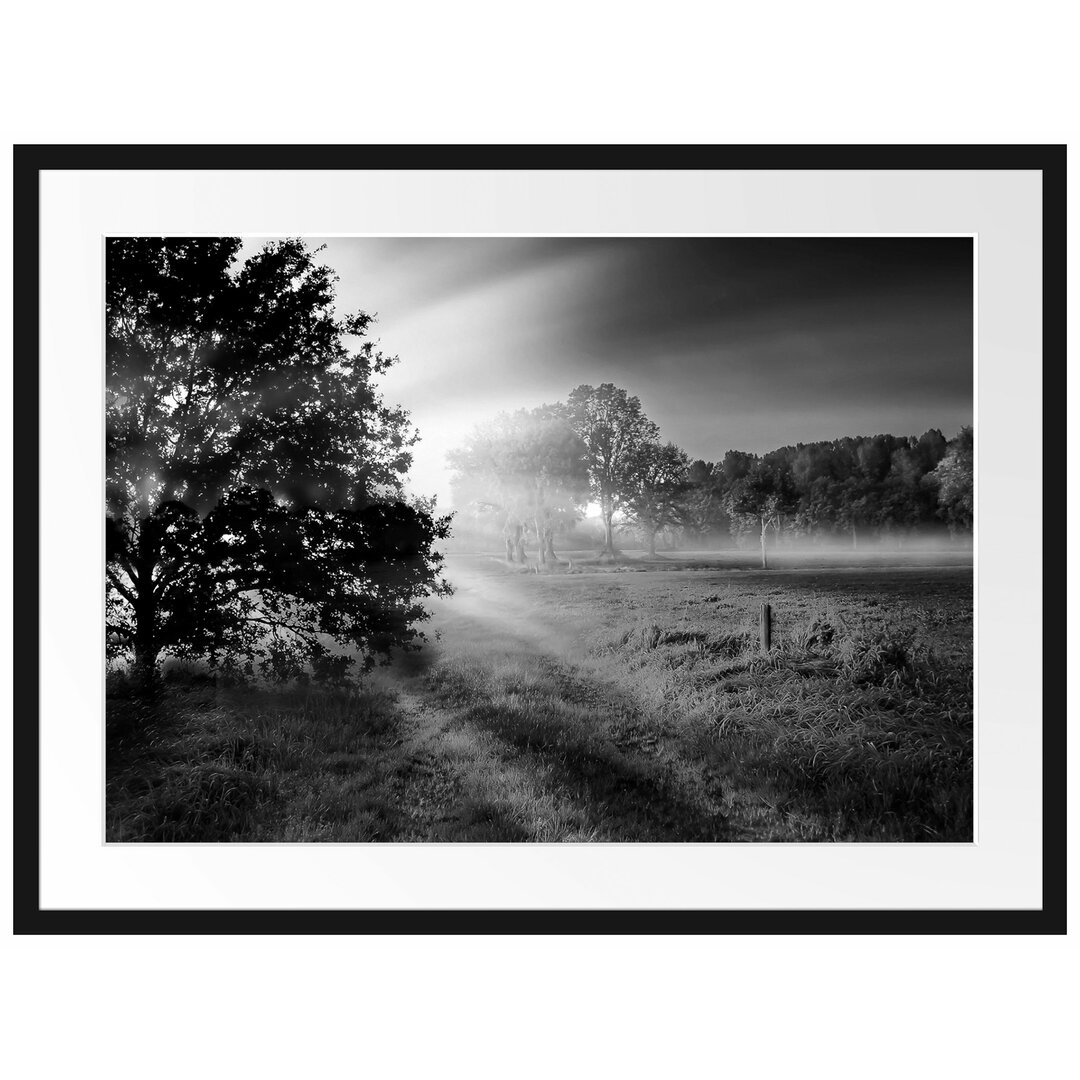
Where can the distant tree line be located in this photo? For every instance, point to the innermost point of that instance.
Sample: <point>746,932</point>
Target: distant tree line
<point>532,473</point>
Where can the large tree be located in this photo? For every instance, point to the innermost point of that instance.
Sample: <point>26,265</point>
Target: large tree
<point>255,514</point>
<point>613,429</point>
<point>656,500</point>
<point>526,471</point>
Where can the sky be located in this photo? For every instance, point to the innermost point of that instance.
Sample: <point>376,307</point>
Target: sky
<point>745,343</point>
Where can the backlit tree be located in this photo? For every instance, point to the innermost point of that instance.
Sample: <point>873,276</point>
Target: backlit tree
<point>255,514</point>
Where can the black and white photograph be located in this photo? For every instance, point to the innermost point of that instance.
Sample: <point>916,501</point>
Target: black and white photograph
<point>535,533</point>
<point>539,538</point>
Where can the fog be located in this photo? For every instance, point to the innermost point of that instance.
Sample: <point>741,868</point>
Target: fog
<point>586,537</point>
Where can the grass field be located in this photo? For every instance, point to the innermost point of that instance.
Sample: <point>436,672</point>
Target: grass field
<point>627,702</point>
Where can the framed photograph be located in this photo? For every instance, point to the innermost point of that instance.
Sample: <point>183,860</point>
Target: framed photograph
<point>539,539</point>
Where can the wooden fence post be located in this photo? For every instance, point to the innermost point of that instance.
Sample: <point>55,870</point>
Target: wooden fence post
<point>765,626</point>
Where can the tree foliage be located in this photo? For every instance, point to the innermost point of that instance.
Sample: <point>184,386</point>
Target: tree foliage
<point>606,449</point>
<point>954,479</point>
<point>657,499</point>
<point>527,471</point>
<point>764,495</point>
<point>851,486</point>
<point>255,514</point>
<point>613,428</point>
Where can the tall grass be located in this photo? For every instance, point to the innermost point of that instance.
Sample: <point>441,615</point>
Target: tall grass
<point>619,708</point>
<point>207,763</point>
<point>852,729</point>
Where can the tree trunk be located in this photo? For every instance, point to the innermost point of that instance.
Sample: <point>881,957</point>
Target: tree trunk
<point>609,532</point>
<point>550,542</point>
<point>764,556</point>
<point>541,548</point>
<point>854,536</point>
<point>515,543</point>
<point>652,543</point>
<point>145,671</point>
<point>145,645</point>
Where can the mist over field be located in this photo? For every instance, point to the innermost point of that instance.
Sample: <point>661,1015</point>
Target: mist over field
<point>584,540</point>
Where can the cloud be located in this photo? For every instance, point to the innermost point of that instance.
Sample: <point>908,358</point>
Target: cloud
<point>747,343</point>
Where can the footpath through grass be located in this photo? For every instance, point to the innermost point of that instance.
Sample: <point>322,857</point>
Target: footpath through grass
<point>601,707</point>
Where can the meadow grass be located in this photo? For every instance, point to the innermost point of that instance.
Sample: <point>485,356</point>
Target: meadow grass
<point>857,725</point>
<point>208,763</point>
<point>590,708</point>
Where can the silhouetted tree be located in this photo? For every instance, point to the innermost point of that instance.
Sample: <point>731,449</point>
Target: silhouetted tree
<point>736,465</point>
<point>613,429</point>
<point>254,507</point>
<point>701,503</point>
<point>660,482</point>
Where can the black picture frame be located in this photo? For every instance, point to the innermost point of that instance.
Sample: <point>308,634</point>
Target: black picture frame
<point>31,160</point>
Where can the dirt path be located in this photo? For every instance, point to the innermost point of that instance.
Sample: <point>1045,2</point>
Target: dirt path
<point>547,710</point>
<point>505,733</point>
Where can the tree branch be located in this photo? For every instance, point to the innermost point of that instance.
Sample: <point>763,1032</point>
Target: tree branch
<point>281,624</point>
<point>120,587</point>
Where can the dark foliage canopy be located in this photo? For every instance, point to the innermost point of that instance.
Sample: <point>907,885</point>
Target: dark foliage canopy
<point>255,513</point>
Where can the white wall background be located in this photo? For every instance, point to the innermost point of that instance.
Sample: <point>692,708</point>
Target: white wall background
<point>783,72</point>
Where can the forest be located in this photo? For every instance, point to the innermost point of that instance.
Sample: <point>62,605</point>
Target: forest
<point>530,477</point>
